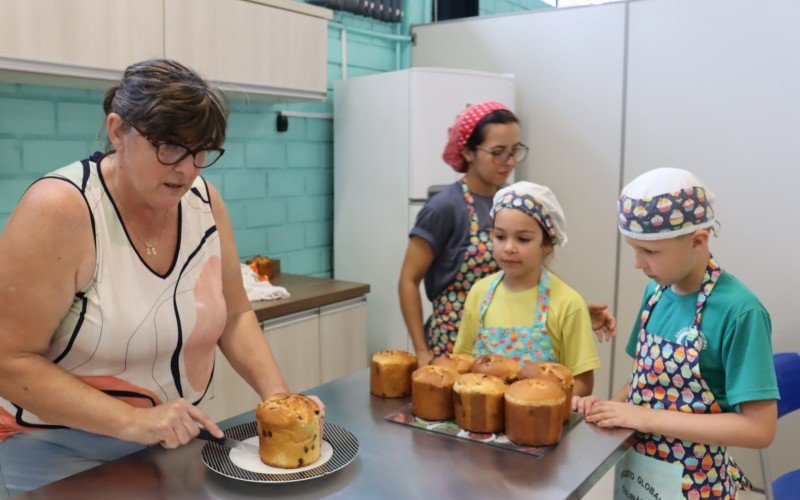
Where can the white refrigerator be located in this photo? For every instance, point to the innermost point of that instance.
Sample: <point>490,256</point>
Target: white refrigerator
<point>389,133</point>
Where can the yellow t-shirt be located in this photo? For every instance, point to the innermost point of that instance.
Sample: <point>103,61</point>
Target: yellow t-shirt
<point>568,322</point>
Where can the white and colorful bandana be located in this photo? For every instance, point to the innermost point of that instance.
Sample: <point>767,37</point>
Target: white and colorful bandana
<point>665,203</point>
<point>537,201</point>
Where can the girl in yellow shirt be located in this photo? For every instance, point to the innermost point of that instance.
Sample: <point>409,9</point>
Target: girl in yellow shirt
<point>524,311</point>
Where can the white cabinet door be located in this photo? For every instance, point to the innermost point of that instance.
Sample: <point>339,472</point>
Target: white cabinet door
<point>311,347</point>
<point>342,338</point>
<point>294,340</point>
<point>249,45</point>
<point>229,394</point>
<point>97,34</point>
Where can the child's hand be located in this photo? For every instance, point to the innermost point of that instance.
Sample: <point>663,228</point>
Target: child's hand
<point>617,414</point>
<point>583,404</point>
<point>604,323</point>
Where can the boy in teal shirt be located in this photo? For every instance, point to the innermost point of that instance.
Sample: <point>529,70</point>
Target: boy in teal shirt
<point>736,331</point>
<point>701,347</point>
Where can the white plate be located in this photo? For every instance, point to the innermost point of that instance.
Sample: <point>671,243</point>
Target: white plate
<point>342,446</point>
<point>252,462</point>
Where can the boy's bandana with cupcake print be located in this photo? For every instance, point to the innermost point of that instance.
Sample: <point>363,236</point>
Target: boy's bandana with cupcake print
<point>537,201</point>
<point>664,203</point>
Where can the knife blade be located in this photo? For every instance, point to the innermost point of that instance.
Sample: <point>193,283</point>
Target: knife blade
<point>228,442</point>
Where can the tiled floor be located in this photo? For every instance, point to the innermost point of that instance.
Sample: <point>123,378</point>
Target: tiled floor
<point>604,490</point>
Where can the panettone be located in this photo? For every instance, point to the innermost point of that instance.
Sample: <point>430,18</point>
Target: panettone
<point>432,392</point>
<point>462,363</point>
<point>478,402</point>
<point>265,266</point>
<point>496,365</point>
<point>390,373</point>
<point>533,412</point>
<point>555,372</point>
<point>289,433</point>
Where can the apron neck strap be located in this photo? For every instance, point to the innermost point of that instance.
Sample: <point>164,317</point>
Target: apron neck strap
<point>473,216</point>
<point>542,299</point>
<point>710,278</point>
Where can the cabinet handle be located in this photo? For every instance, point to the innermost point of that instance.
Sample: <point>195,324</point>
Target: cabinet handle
<point>291,319</point>
<point>342,306</point>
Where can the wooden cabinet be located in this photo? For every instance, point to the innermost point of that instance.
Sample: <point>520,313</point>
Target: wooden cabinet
<point>294,341</point>
<point>229,394</point>
<point>276,48</point>
<point>70,36</point>
<point>251,46</point>
<point>342,339</point>
<point>311,347</point>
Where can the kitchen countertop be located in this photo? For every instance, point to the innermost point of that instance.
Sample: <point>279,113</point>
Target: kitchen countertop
<point>394,461</point>
<point>307,292</point>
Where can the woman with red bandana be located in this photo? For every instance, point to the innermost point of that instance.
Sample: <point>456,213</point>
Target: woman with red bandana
<point>450,245</point>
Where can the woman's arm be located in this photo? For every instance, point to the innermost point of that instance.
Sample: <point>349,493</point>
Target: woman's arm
<point>419,257</point>
<point>48,255</point>
<point>753,427</point>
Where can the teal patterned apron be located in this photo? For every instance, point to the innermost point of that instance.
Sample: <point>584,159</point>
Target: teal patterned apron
<point>521,343</point>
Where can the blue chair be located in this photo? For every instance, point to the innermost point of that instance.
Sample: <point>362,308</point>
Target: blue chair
<point>787,369</point>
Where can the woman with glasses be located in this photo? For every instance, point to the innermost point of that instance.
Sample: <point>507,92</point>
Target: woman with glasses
<point>450,246</point>
<point>120,278</point>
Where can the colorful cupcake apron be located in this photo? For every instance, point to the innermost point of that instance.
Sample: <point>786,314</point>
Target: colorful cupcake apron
<point>667,376</point>
<point>521,343</point>
<point>442,327</point>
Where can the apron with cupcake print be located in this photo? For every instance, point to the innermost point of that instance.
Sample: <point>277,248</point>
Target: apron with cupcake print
<point>442,327</point>
<point>667,376</point>
<point>520,343</point>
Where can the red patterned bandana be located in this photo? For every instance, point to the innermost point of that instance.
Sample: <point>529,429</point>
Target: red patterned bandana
<point>461,129</point>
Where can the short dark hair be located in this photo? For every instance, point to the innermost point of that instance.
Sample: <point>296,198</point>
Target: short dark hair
<point>170,102</point>
<point>498,116</point>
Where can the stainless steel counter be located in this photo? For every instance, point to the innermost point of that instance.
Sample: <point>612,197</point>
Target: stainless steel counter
<point>394,461</point>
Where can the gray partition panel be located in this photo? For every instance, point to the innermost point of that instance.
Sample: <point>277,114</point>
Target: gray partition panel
<point>568,65</point>
<point>714,87</point>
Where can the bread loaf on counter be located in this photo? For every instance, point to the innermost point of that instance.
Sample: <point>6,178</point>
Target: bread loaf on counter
<point>554,372</point>
<point>390,374</point>
<point>432,392</point>
<point>496,365</point>
<point>533,412</point>
<point>289,431</point>
<point>462,363</point>
<point>478,402</point>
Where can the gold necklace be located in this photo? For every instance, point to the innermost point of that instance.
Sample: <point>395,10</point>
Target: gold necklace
<point>150,248</point>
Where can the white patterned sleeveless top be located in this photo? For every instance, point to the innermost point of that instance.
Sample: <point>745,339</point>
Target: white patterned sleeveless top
<point>132,333</point>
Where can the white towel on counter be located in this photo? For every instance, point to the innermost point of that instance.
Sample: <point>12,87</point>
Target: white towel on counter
<point>260,290</point>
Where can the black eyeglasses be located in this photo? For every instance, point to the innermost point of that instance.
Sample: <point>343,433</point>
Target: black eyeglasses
<point>172,154</point>
<point>501,156</point>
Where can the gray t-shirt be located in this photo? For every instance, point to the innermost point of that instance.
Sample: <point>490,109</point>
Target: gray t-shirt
<point>444,223</point>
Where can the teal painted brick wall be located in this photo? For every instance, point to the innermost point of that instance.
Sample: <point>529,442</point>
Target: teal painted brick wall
<point>278,187</point>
